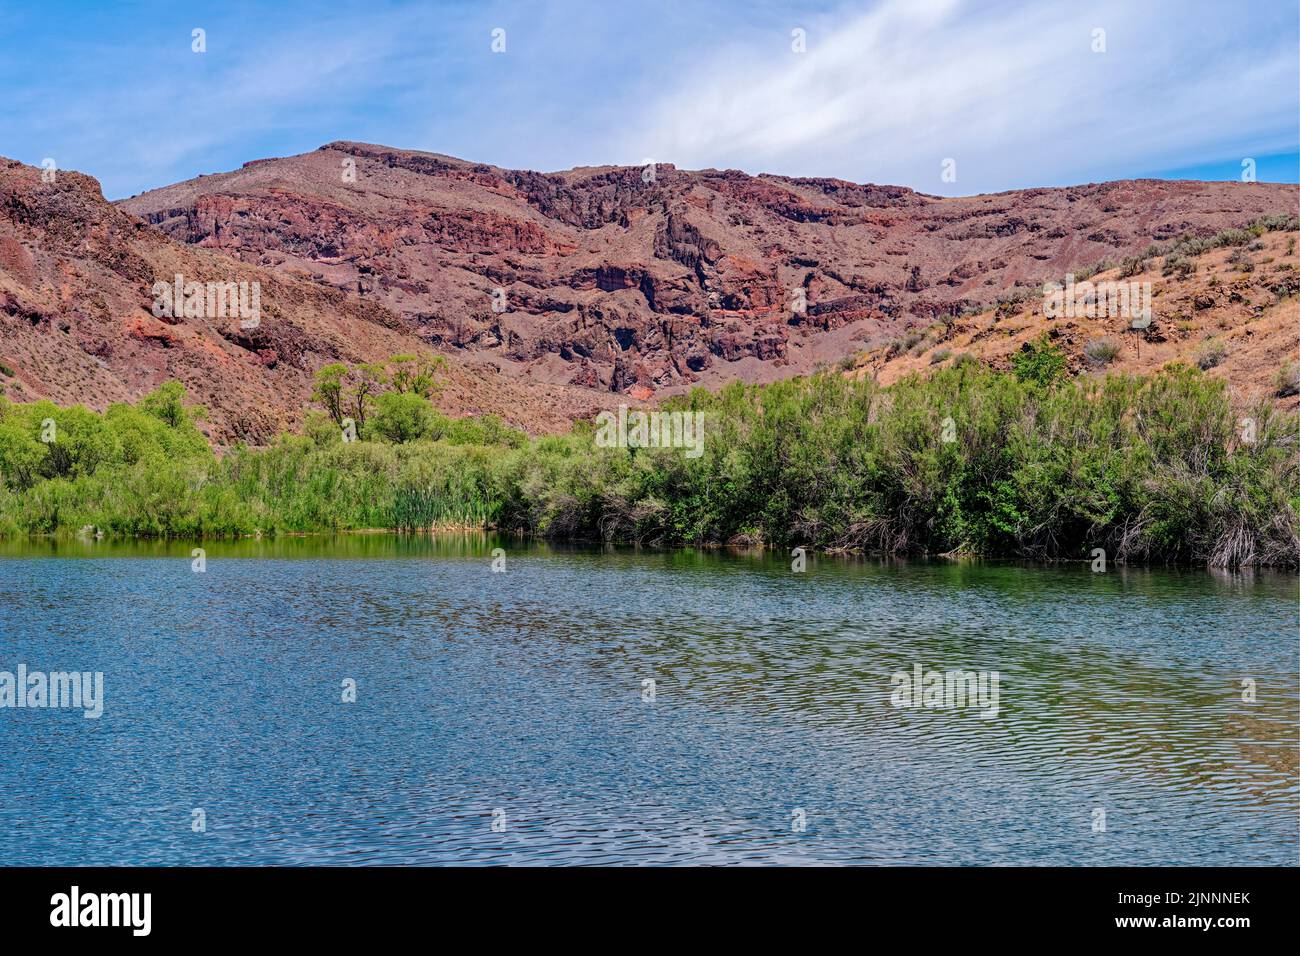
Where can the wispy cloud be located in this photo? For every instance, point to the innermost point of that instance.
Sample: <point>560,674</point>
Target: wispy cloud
<point>1014,92</point>
<point>1009,89</point>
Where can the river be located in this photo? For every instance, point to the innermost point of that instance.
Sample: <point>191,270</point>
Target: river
<point>640,707</point>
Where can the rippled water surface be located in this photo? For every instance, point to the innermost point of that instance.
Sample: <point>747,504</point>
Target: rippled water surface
<point>517,697</point>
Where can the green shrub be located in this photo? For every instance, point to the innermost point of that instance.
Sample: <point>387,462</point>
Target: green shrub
<point>1039,362</point>
<point>404,416</point>
<point>1031,464</point>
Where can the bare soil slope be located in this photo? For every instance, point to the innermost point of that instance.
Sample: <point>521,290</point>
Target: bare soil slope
<point>1237,315</point>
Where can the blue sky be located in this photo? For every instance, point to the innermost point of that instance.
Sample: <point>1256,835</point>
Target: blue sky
<point>885,90</point>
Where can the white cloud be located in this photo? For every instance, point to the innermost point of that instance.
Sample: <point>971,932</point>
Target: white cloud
<point>886,90</point>
<point>1012,91</point>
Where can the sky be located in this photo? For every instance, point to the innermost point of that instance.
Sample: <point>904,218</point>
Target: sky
<point>949,97</point>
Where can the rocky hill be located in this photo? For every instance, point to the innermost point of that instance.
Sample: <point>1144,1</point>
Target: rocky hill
<point>646,281</point>
<point>1232,310</point>
<point>555,295</point>
<point>77,322</point>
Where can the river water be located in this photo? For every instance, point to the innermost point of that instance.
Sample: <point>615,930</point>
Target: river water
<point>640,707</point>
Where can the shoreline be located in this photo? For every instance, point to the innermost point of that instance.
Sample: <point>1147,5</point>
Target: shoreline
<point>749,548</point>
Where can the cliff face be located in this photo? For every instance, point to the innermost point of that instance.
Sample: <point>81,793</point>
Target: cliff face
<point>78,323</point>
<point>626,280</point>
<point>555,295</point>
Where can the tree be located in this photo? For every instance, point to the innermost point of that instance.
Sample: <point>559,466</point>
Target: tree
<point>167,403</point>
<point>403,416</point>
<point>416,374</point>
<point>82,439</point>
<point>352,392</point>
<point>367,380</point>
<point>328,389</point>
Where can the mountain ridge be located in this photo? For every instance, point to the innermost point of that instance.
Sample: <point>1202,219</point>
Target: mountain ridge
<point>78,323</point>
<point>610,284</point>
<point>646,281</point>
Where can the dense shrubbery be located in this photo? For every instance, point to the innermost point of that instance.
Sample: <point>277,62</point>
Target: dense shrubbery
<point>130,468</point>
<point>147,470</point>
<point>1030,464</point>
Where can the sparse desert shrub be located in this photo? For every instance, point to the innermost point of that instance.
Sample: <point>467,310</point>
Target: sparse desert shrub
<point>939,355</point>
<point>1285,285</point>
<point>1241,259</point>
<point>1212,352</point>
<point>1282,222</point>
<point>927,341</point>
<point>1178,265</point>
<point>1087,272</point>
<point>910,340</point>
<point>1185,246</point>
<point>1009,303</point>
<point>1288,380</point>
<point>1102,351</point>
<point>6,371</point>
<point>1134,265</point>
<point>1233,237</point>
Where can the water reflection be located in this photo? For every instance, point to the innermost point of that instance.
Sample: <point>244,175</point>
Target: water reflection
<point>522,692</point>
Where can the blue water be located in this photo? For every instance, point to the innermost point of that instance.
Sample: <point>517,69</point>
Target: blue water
<point>516,699</point>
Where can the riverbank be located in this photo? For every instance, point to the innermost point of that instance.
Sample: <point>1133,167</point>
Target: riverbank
<point>1027,464</point>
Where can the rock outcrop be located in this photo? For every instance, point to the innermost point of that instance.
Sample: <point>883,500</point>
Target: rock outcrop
<point>78,322</point>
<point>617,278</point>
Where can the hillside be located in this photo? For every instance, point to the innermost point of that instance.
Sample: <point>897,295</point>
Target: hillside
<point>644,282</point>
<point>615,285</point>
<point>77,323</point>
<point>1232,310</point>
